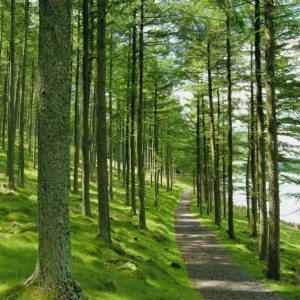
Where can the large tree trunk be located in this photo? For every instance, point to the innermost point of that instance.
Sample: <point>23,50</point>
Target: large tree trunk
<point>140,154</point>
<point>11,118</point>
<point>263,240</point>
<point>274,240</point>
<point>230,185</point>
<point>54,275</point>
<point>21,178</point>
<point>86,210</point>
<point>103,206</point>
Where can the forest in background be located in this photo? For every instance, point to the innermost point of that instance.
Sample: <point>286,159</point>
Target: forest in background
<point>118,109</point>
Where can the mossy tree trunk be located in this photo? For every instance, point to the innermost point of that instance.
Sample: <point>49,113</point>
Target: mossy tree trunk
<point>53,272</point>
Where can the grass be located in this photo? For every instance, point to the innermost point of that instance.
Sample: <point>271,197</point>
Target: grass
<point>244,250</point>
<point>152,250</point>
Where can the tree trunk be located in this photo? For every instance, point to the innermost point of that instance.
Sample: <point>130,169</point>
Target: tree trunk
<point>5,96</point>
<point>21,178</point>
<point>11,111</point>
<point>86,210</point>
<point>206,194</point>
<point>30,109</point>
<point>155,155</point>
<point>230,185</point>
<point>76,122</point>
<point>140,154</point>
<point>127,144</point>
<point>54,275</point>
<point>198,167</point>
<point>103,206</point>
<point>253,159</point>
<point>216,184</point>
<point>133,100</point>
<point>263,240</point>
<point>274,240</point>
<point>111,140</point>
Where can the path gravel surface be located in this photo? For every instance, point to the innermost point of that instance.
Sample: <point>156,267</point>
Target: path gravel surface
<point>213,272</point>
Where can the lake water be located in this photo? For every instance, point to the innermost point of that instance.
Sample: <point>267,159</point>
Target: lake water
<point>289,208</point>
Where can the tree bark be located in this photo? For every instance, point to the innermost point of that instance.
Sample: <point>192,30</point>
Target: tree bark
<point>230,184</point>
<point>198,167</point>
<point>111,140</point>
<point>76,121</point>
<point>253,158</point>
<point>21,178</point>
<point>103,206</point>
<point>263,237</point>
<point>274,213</point>
<point>206,194</point>
<point>133,100</point>
<point>216,184</point>
<point>54,275</point>
<point>140,154</point>
<point>11,111</point>
<point>86,210</point>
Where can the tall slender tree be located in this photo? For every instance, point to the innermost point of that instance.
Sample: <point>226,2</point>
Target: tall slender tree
<point>229,136</point>
<point>274,238</point>
<point>86,210</point>
<point>22,108</point>
<point>263,241</point>
<point>103,206</point>
<point>11,118</point>
<point>140,154</point>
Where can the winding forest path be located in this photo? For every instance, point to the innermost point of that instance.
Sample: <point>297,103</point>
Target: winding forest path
<point>214,274</point>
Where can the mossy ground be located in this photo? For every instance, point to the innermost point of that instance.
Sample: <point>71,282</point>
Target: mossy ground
<point>151,250</point>
<point>244,251</point>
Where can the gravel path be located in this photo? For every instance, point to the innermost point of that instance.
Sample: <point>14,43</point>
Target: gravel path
<point>214,274</point>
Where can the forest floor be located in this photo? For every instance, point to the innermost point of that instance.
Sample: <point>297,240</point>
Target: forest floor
<point>210,266</point>
<point>98,267</point>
